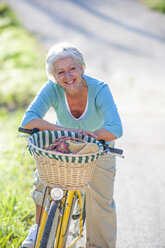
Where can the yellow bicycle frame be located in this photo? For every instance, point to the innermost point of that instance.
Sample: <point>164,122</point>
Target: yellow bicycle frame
<point>42,225</point>
<point>43,221</point>
<point>62,228</point>
<point>63,222</point>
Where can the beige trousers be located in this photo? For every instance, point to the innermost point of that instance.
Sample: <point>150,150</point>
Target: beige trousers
<point>101,213</point>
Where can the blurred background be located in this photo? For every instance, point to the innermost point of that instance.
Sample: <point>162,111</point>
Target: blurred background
<point>123,43</point>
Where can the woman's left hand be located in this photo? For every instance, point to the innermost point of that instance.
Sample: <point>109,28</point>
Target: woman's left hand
<point>83,131</point>
<point>89,133</point>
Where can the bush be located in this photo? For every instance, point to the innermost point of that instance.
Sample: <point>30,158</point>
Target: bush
<point>158,5</point>
<point>16,206</point>
<point>22,70</point>
<point>22,73</point>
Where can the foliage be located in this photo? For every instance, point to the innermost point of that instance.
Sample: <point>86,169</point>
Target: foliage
<point>16,206</point>
<point>158,5</point>
<point>22,73</point>
<point>21,62</point>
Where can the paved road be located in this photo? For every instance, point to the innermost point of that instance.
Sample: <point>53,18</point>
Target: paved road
<point>124,45</point>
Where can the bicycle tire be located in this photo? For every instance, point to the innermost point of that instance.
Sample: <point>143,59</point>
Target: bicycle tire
<point>48,225</point>
<point>53,232</point>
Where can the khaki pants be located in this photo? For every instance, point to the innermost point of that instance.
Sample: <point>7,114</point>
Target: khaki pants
<point>101,213</point>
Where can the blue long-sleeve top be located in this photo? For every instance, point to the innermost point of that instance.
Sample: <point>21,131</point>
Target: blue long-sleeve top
<point>101,112</point>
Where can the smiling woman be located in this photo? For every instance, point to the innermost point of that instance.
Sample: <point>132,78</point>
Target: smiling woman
<point>69,75</point>
<point>85,105</point>
<point>62,50</point>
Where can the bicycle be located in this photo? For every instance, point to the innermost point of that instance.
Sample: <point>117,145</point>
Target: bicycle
<point>66,175</point>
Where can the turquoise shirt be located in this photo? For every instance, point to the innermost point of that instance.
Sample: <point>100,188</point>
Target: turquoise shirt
<point>101,111</point>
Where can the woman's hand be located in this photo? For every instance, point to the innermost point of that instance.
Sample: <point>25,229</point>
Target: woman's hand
<point>103,134</point>
<point>86,132</point>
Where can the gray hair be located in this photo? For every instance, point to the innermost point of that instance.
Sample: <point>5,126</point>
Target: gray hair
<point>62,50</point>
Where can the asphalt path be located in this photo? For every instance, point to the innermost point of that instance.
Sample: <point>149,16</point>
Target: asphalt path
<point>123,44</point>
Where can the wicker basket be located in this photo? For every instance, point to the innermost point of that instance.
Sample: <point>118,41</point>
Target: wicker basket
<point>68,171</point>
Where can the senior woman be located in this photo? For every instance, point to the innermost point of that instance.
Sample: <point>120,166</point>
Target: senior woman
<point>85,104</point>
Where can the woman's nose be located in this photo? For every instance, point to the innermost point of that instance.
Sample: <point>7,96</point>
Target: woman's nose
<point>67,74</point>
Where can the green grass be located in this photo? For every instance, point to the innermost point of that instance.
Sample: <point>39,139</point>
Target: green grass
<point>158,5</point>
<point>22,69</point>
<point>16,206</point>
<point>22,73</point>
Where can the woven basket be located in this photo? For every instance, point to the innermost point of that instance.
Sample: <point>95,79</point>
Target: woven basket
<point>68,171</point>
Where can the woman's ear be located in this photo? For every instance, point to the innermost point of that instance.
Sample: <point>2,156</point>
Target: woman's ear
<point>55,78</point>
<point>82,70</point>
<point>54,75</point>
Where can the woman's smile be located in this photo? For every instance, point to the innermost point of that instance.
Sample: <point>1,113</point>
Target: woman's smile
<point>71,82</point>
<point>68,73</point>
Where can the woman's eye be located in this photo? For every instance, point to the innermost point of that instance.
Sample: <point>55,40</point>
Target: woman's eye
<point>72,68</point>
<point>60,72</point>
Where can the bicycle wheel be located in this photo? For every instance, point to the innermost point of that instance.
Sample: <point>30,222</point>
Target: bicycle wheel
<point>52,236</point>
<point>48,226</point>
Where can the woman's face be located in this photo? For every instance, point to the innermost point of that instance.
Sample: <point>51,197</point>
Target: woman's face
<point>68,73</point>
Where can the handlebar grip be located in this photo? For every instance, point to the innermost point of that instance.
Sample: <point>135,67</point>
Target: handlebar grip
<point>115,150</point>
<point>111,149</point>
<point>28,131</point>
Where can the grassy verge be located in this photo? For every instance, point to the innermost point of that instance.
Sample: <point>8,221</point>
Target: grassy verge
<point>158,5</point>
<point>21,62</point>
<point>16,206</point>
<point>21,75</point>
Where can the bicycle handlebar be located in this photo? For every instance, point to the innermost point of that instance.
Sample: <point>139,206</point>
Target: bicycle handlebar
<point>28,131</point>
<point>107,149</point>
